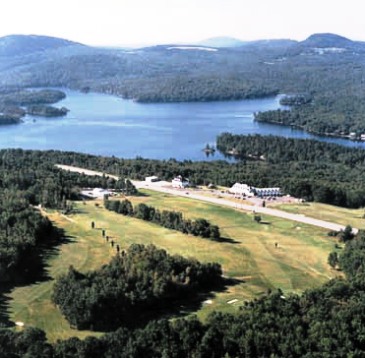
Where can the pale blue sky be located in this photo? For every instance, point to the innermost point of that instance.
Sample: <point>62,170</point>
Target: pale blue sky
<point>125,22</point>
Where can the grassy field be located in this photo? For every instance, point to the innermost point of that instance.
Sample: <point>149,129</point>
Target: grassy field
<point>248,255</point>
<point>353,217</point>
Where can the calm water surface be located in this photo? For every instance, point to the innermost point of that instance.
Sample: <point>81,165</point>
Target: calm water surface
<point>107,125</point>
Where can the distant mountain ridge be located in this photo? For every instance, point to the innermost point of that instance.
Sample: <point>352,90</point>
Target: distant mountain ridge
<point>174,72</point>
<point>20,45</point>
<point>226,42</point>
<point>327,40</point>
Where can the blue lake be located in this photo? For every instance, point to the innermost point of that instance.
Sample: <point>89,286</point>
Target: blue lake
<point>107,125</point>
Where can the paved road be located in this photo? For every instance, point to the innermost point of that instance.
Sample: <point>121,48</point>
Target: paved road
<point>219,201</point>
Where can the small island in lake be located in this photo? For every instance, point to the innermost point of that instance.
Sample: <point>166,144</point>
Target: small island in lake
<point>208,149</point>
<point>15,105</point>
<point>47,111</point>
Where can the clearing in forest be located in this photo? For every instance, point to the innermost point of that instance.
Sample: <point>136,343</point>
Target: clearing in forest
<point>248,254</point>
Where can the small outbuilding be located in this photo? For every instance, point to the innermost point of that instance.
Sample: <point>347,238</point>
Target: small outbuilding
<point>152,179</point>
<point>180,182</point>
<point>95,193</point>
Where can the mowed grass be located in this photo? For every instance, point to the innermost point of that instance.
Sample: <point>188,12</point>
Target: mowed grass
<point>336,214</point>
<point>248,255</point>
<point>32,304</point>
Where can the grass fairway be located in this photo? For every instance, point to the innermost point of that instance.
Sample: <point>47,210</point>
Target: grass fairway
<point>336,214</point>
<point>32,304</point>
<point>249,255</point>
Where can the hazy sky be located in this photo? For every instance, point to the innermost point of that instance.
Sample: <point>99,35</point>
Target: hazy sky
<point>123,22</point>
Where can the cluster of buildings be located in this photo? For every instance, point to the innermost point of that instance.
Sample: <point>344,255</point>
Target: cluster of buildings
<point>245,190</point>
<point>355,136</point>
<point>238,189</point>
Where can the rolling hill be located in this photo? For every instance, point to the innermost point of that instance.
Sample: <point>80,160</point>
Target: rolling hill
<point>20,45</point>
<point>182,73</point>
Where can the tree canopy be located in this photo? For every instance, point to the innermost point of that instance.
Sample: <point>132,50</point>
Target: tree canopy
<point>134,285</point>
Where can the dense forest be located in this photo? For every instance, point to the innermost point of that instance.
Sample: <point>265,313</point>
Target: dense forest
<point>32,97</point>
<point>308,169</point>
<point>34,175</point>
<point>23,231</point>
<point>137,284</point>
<point>317,324</point>
<point>313,119</point>
<point>302,168</point>
<point>170,219</point>
<point>27,181</point>
<point>323,322</point>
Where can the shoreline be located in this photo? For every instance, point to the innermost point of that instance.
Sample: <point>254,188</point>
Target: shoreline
<point>319,134</point>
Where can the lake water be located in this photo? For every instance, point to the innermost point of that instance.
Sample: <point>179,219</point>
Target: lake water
<point>107,125</point>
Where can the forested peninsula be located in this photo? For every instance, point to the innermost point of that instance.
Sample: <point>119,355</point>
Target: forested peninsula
<point>14,105</point>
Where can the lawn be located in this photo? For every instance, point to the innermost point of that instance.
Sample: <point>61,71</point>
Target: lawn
<point>249,255</point>
<point>336,214</point>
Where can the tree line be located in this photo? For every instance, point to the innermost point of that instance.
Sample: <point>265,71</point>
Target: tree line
<point>327,116</point>
<point>23,230</point>
<point>313,170</point>
<point>138,283</point>
<point>28,183</point>
<point>34,97</point>
<point>34,175</point>
<point>302,168</point>
<point>169,219</point>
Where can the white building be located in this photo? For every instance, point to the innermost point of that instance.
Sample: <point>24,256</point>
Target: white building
<point>96,193</point>
<point>239,189</point>
<point>268,192</point>
<point>152,179</point>
<point>180,182</point>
